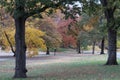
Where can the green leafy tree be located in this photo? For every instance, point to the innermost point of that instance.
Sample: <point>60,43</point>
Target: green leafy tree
<point>83,40</point>
<point>85,25</point>
<point>109,9</point>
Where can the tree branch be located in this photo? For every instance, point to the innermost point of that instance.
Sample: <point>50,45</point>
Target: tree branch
<point>39,9</point>
<point>9,43</point>
<point>104,3</point>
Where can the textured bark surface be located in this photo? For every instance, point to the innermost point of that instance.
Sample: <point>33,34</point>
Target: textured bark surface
<point>112,38</point>
<point>112,47</point>
<point>112,32</point>
<point>20,64</point>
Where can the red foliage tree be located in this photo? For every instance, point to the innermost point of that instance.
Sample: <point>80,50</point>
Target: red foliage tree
<point>68,40</point>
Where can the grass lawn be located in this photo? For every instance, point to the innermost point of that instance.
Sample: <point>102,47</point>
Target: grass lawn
<point>82,67</point>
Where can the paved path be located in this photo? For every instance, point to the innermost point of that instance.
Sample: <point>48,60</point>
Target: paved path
<point>118,55</point>
<point>5,55</point>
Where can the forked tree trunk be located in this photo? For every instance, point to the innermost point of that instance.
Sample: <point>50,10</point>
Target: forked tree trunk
<point>20,64</point>
<point>102,46</point>
<point>112,37</point>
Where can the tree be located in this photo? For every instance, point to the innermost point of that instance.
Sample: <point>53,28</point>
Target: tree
<point>20,10</point>
<point>81,28</point>
<point>67,39</point>
<point>103,32</point>
<point>109,12</point>
<point>109,8</point>
<point>83,40</point>
<point>6,21</point>
<point>34,41</point>
<point>94,37</point>
<point>89,34</point>
<point>52,37</point>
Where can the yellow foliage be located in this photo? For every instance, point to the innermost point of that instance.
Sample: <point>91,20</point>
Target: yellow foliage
<point>32,52</point>
<point>34,40</point>
<point>88,27</point>
<point>91,23</point>
<point>34,36</point>
<point>3,39</point>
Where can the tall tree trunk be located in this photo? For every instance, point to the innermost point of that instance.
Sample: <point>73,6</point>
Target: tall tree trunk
<point>112,38</point>
<point>48,51</point>
<point>102,45</point>
<point>112,32</point>
<point>20,64</point>
<point>93,49</point>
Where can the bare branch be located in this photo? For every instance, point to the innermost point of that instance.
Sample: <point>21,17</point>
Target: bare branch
<point>11,46</point>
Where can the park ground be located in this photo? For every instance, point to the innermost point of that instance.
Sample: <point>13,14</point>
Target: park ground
<point>67,65</point>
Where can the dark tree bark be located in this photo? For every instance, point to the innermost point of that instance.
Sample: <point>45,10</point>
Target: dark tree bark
<point>102,46</point>
<point>20,59</point>
<point>93,49</point>
<point>112,32</point>
<point>20,16</point>
<point>112,37</point>
<point>48,51</point>
<point>20,66</point>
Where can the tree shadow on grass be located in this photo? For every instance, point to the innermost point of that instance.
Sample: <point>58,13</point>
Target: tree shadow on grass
<point>6,57</point>
<point>3,58</point>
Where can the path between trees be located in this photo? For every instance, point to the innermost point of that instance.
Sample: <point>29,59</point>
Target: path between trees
<point>42,56</point>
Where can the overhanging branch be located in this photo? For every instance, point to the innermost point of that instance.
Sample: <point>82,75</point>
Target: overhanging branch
<point>40,10</point>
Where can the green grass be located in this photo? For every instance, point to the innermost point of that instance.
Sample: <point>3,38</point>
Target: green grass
<point>80,68</point>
